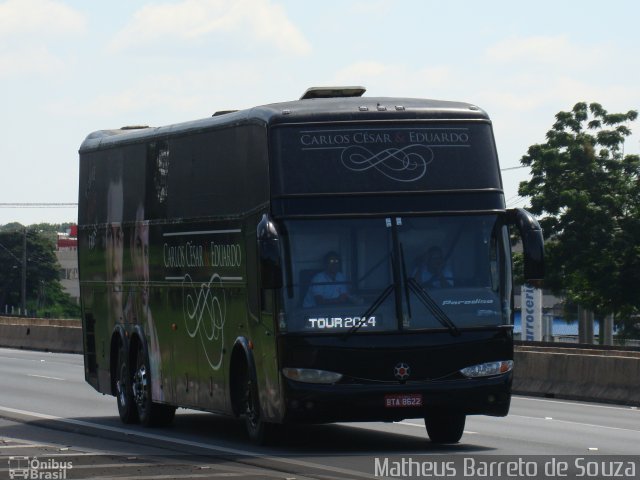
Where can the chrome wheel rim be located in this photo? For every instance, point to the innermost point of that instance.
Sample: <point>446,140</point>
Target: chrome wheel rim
<point>140,380</point>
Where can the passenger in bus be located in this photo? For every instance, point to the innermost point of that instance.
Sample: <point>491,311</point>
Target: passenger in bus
<point>328,287</point>
<point>432,271</point>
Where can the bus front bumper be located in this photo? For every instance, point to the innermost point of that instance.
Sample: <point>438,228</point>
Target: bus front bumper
<point>316,403</point>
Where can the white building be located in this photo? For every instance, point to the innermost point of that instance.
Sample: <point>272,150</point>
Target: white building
<point>67,255</point>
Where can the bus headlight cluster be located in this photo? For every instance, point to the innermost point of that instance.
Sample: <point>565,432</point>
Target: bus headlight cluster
<point>488,369</point>
<point>309,375</point>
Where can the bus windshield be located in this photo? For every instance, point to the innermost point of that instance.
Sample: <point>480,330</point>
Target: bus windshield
<point>389,274</point>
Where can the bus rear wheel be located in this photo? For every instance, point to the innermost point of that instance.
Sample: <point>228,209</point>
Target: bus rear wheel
<point>124,389</point>
<point>151,414</point>
<point>445,427</point>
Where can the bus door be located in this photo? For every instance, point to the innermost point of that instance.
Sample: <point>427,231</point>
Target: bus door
<point>264,267</point>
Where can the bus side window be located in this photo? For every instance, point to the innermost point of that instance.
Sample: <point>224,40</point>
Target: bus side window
<point>157,179</point>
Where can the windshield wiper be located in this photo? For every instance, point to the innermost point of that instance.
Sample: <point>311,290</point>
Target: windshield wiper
<point>406,279</point>
<point>374,306</point>
<point>432,306</point>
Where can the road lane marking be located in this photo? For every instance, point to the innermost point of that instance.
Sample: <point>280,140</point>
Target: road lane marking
<point>538,418</point>
<point>421,425</point>
<point>583,404</point>
<point>189,475</point>
<point>577,423</point>
<point>44,376</point>
<point>78,451</point>
<point>23,446</point>
<point>209,470</point>
<point>188,443</point>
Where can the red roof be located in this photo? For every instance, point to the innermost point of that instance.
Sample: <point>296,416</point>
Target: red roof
<point>67,242</point>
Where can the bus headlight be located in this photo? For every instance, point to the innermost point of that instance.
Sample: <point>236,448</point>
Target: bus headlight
<point>309,375</point>
<point>488,369</point>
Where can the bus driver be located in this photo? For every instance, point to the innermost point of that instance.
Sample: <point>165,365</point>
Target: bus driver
<point>328,287</point>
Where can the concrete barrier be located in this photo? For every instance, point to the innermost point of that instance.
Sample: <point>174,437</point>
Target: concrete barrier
<point>51,335</point>
<point>605,375</point>
<point>589,374</point>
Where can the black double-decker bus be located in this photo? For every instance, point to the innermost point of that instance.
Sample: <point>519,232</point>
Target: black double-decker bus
<point>335,258</point>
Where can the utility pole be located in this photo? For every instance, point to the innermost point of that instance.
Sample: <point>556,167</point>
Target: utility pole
<point>607,334</point>
<point>585,325</point>
<point>24,273</point>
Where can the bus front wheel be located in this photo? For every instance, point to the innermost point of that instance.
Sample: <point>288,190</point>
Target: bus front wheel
<point>259,431</point>
<point>445,427</point>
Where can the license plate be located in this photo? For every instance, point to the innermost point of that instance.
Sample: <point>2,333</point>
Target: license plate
<point>403,400</point>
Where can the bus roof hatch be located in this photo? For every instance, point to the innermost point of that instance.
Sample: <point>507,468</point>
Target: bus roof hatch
<point>331,92</point>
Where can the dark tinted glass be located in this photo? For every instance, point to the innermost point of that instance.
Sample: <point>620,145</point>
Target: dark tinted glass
<point>411,157</point>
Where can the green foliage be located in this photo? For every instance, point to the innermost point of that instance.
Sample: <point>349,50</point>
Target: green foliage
<point>588,195</point>
<point>44,291</point>
<point>517,268</point>
<point>53,302</point>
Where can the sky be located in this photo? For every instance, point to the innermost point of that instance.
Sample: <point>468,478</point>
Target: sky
<point>70,67</point>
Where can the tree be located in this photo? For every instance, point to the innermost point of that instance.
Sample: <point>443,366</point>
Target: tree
<point>42,273</point>
<point>587,192</point>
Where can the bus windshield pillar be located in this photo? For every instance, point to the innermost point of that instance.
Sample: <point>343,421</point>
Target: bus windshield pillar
<point>269,254</point>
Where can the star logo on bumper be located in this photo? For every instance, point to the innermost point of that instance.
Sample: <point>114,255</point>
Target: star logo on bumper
<point>402,371</point>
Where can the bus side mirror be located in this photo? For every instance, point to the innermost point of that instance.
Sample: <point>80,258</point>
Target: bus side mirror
<point>269,254</point>
<point>532,244</point>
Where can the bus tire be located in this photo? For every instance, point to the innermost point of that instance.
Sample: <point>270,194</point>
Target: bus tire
<point>151,414</point>
<point>259,431</point>
<point>445,427</point>
<point>124,388</point>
